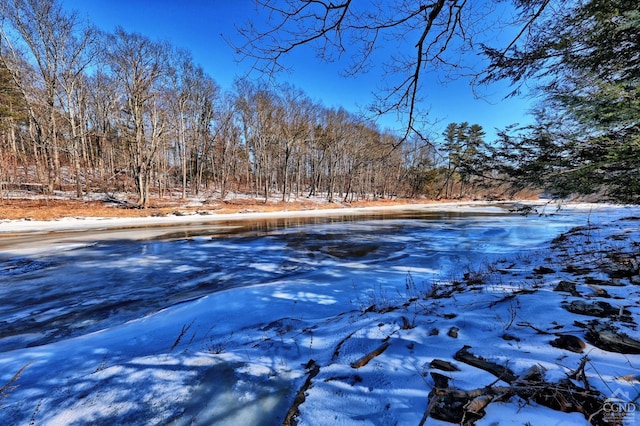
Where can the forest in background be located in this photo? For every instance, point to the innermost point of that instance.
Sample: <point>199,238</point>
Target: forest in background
<point>88,111</point>
<point>93,112</point>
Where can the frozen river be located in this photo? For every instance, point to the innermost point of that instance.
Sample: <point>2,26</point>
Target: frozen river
<point>87,284</point>
<point>217,321</point>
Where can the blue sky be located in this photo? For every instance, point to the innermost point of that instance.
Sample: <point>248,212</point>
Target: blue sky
<point>201,26</point>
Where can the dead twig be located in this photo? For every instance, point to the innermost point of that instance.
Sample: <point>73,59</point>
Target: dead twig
<point>6,389</point>
<point>466,406</point>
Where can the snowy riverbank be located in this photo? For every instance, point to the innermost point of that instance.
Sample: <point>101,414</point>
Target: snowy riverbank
<point>207,217</point>
<point>358,343</point>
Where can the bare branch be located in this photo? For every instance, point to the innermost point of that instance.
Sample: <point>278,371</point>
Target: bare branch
<point>437,29</point>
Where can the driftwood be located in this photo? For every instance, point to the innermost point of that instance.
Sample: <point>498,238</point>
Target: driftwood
<point>464,407</point>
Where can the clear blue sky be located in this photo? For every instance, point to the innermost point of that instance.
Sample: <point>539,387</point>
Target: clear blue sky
<point>201,27</point>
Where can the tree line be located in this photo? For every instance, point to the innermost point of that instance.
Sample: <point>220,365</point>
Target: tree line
<point>117,112</point>
<point>579,58</point>
<point>90,111</point>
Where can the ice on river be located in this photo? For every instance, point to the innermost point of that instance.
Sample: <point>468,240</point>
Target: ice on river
<point>216,322</point>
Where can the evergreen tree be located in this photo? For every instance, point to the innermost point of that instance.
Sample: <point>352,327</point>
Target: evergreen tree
<point>12,104</point>
<point>590,125</point>
<point>462,145</point>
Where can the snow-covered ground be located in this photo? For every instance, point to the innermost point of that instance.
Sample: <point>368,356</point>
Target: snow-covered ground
<point>211,320</point>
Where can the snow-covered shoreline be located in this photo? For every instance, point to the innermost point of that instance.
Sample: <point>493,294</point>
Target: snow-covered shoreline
<point>23,226</point>
<point>378,337</point>
<point>26,236</point>
<point>89,223</point>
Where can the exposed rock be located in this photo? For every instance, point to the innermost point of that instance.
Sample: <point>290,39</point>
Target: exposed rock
<point>576,270</point>
<point>568,287</point>
<point>509,337</point>
<point>622,266</point>
<point>453,332</point>
<point>542,270</point>
<point>596,281</point>
<point>439,380</point>
<point>599,309</point>
<point>618,271</point>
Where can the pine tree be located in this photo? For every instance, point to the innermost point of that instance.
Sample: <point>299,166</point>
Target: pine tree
<point>588,58</point>
<point>11,100</point>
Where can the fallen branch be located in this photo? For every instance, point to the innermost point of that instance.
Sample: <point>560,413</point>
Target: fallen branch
<point>301,396</point>
<point>608,338</point>
<point>336,352</point>
<point>466,406</point>
<point>501,372</point>
<point>365,359</point>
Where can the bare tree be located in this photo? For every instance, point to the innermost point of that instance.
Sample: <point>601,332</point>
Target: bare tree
<point>12,118</point>
<point>145,113</point>
<point>196,100</point>
<point>423,36</point>
<point>102,114</point>
<point>79,52</point>
<point>229,156</point>
<point>297,112</point>
<point>139,66</point>
<point>260,117</point>
<point>41,32</point>
<point>181,76</point>
<point>334,142</point>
